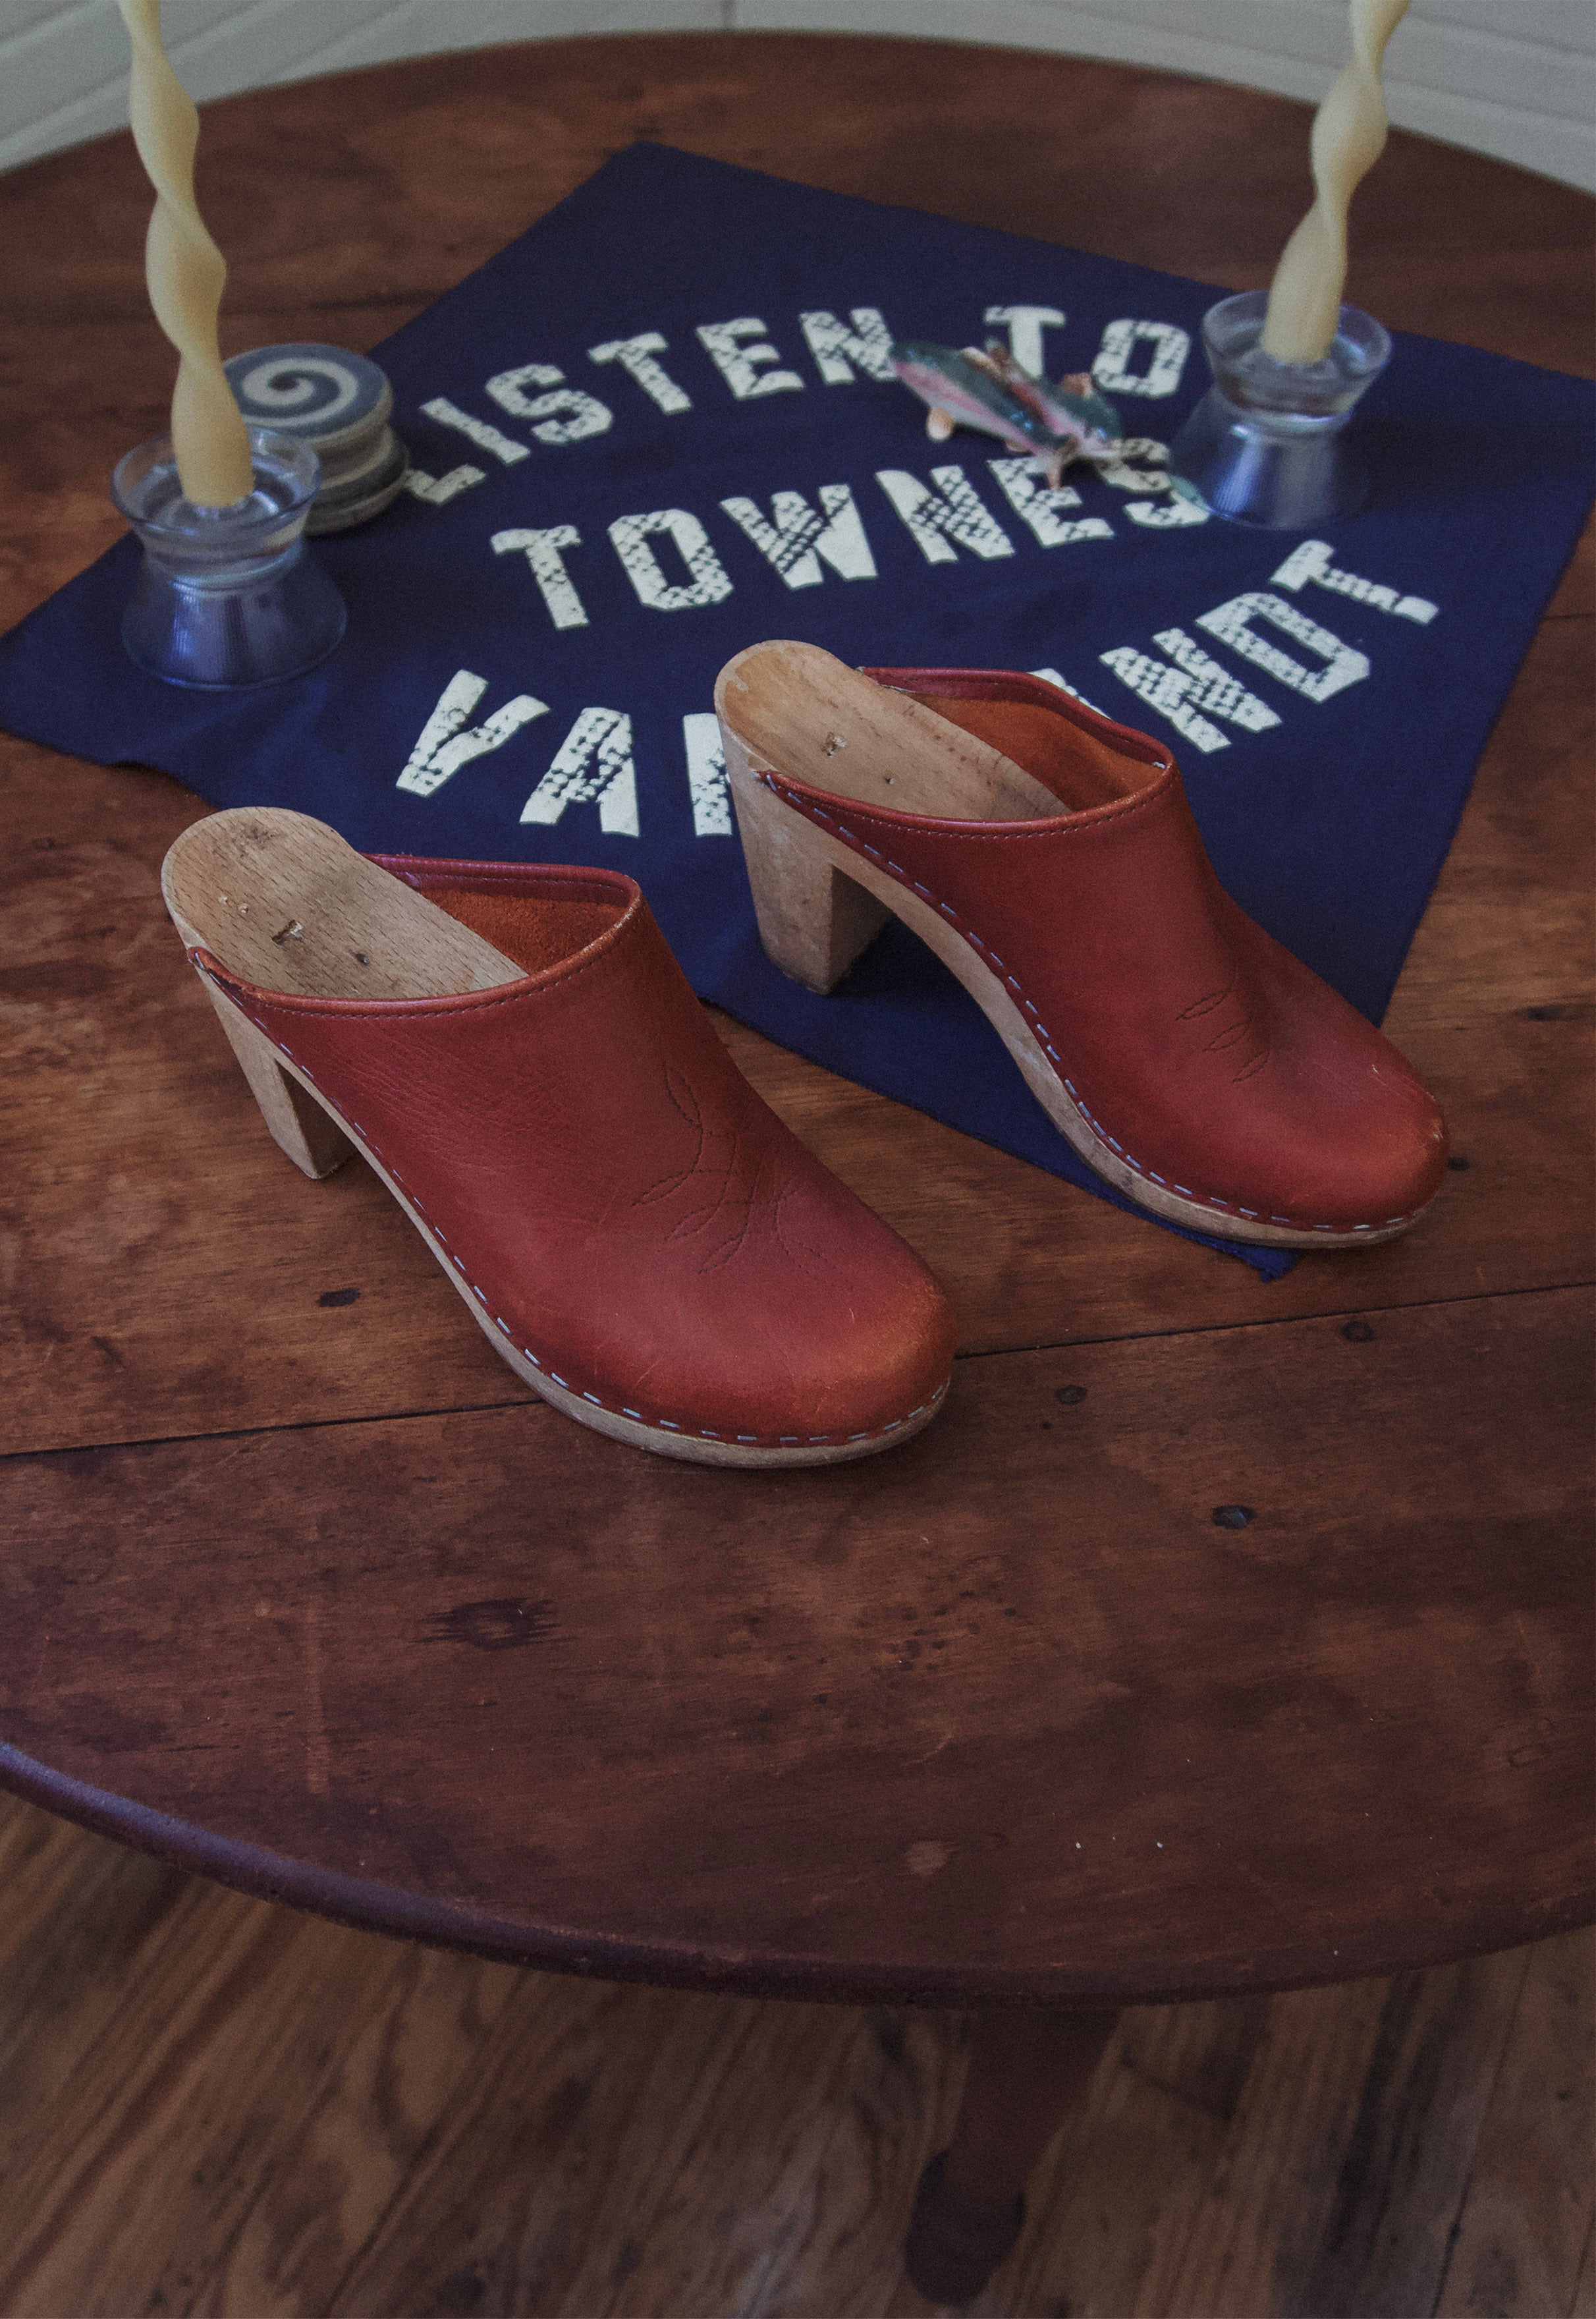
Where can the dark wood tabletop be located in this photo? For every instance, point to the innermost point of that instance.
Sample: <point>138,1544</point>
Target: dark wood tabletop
<point>301,1588</point>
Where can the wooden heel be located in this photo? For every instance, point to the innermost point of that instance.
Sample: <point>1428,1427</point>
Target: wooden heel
<point>299,1126</point>
<point>279,901</point>
<point>813,921</point>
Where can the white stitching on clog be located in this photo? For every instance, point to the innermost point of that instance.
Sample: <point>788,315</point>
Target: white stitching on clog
<point>1209,1200</point>
<point>665,1424</point>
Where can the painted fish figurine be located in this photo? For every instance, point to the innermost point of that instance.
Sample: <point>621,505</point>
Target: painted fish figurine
<point>986,388</point>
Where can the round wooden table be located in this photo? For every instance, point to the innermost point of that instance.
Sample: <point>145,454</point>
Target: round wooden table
<point>302,1590</point>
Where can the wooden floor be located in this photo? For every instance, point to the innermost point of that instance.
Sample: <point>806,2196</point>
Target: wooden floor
<point>212,2105</point>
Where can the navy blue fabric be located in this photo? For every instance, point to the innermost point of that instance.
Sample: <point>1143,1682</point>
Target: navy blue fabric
<point>1329,825</point>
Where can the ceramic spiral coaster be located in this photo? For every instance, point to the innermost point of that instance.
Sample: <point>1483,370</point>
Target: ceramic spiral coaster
<point>338,403</point>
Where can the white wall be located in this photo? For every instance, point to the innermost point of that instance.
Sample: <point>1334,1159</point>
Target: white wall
<point>1513,78</point>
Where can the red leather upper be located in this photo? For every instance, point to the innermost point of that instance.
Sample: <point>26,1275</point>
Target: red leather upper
<point>1207,1056</point>
<point>623,1206</point>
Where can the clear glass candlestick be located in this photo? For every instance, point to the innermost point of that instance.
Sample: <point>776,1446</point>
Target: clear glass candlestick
<point>227,596</point>
<point>1268,445</point>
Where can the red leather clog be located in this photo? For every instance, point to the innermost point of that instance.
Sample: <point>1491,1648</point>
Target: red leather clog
<point>1050,858</point>
<point>516,1053</point>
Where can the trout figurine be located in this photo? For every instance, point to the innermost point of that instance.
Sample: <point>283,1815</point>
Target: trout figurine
<point>986,388</point>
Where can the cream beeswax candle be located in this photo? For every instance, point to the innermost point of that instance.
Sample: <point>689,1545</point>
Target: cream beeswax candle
<point>186,272</point>
<point>1348,135</point>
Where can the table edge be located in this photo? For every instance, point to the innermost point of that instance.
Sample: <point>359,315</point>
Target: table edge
<point>367,1905</point>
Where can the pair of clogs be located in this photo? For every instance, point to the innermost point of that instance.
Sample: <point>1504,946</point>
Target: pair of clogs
<point>515,1051</point>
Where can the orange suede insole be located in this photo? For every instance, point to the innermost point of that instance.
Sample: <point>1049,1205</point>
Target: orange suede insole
<point>537,931</point>
<point>1079,769</point>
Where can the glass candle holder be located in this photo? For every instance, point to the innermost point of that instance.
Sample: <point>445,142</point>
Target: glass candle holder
<point>227,596</point>
<point>1268,444</point>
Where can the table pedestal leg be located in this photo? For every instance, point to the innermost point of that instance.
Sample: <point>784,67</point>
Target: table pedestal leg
<point>1026,2070</point>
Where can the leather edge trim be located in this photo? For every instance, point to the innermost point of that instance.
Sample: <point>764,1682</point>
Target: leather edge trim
<point>437,870</point>
<point>997,683</point>
<point>1091,821</point>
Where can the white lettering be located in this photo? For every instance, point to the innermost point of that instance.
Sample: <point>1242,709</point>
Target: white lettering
<point>1025,327</point>
<point>1170,347</point>
<point>1166,515</point>
<point>836,348</point>
<point>1311,561</point>
<point>1124,477</point>
<point>1231,624</point>
<point>797,539</point>
<point>738,365</point>
<point>933,523</point>
<point>442,748</point>
<point>1165,690</point>
<point>707,783</point>
<point>1171,513</point>
<point>542,549</point>
<point>1043,509</point>
<point>707,580</point>
<point>477,430</point>
<point>594,760</point>
<point>1215,687</point>
<point>634,356</point>
<point>438,490</point>
<point>586,415</point>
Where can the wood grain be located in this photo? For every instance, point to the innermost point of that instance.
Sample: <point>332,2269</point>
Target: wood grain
<point>1526,2222</point>
<point>173,2050</point>
<point>373,214</point>
<point>1014,1717</point>
<point>208,2105</point>
<point>168,1284</point>
<point>389,220</point>
<point>356,2128</point>
<point>885,118</point>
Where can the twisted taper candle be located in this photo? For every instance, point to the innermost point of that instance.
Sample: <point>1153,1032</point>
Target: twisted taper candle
<point>1348,137</point>
<point>186,272</point>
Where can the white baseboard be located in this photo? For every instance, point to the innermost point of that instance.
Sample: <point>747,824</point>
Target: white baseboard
<point>1527,95</point>
<point>64,74</point>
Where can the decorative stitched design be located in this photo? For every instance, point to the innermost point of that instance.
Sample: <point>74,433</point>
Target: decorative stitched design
<point>1201,1006</point>
<point>733,1178</point>
<point>1231,1034</point>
